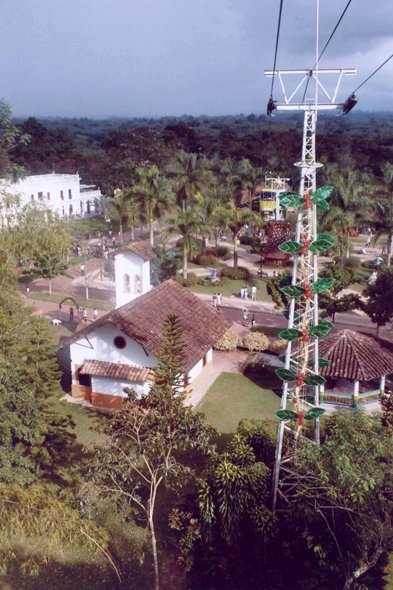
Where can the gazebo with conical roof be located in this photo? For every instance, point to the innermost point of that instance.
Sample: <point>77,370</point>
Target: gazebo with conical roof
<point>357,370</point>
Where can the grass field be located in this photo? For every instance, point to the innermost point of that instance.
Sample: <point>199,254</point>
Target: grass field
<point>233,397</point>
<point>90,303</point>
<point>233,289</point>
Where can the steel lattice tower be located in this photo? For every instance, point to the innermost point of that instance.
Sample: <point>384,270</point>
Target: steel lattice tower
<point>303,311</point>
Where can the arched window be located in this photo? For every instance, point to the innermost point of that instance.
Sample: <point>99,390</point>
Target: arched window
<point>137,284</point>
<point>126,284</point>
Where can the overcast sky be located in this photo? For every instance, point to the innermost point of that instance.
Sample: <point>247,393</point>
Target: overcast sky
<point>98,58</point>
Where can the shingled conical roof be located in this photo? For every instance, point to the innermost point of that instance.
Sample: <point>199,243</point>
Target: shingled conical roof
<point>354,356</point>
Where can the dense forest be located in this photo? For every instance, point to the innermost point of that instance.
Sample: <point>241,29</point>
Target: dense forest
<point>104,151</point>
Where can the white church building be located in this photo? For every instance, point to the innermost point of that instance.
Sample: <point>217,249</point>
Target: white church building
<point>61,193</point>
<point>118,350</point>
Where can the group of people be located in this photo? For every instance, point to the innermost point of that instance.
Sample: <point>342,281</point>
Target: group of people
<point>244,293</point>
<point>82,313</point>
<point>245,318</point>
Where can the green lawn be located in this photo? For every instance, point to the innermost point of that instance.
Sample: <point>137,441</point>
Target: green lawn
<point>90,303</point>
<point>234,289</point>
<point>233,397</point>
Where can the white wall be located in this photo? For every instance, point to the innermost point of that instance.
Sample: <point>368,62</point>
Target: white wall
<point>54,184</point>
<point>104,350</point>
<point>127,262</point>
<point>113,387</point>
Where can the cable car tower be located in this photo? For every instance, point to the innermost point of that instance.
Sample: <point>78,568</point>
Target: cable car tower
<point>301,359</point>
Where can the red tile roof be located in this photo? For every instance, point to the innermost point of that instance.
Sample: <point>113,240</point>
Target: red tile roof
<point>354,356</point>
<point>142,320</point>
<point>117,371</point>
<point>142,251</point>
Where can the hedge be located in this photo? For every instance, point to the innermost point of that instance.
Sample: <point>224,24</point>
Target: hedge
<point>256,341</point>
<point>238,274</point>
<point>229,341</point>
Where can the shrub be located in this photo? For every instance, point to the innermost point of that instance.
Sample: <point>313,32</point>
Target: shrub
<point>190,281</point>
<point>238,274</point>
<point>227,342</point>
<point>206,260</point>
<point>352,262</point>
<point>219,252</point>
<point>248,240</point>
<point>278,346</point>
<point>256,341</point>
<point>205,283</point>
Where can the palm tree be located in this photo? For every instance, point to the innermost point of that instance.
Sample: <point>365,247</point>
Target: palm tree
<point>246,178</point>
<point>350,202</point>
<point>383,207</point>
<point>154,194</point>
<point>133,211</point>
<point>186,223</point>
<point>215,196</point>
<point>190,175</point>
<point>118,209</point>
<point>233,219</point>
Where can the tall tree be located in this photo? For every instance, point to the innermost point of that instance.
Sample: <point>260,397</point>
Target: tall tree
<point>344,489</point>
<point>350,202</point>
<point>187,223</point>
<point>191,174</point>
<point>50,251</point>
<point>171,356</point>
<point>154,195</point>
<point>145,439</point>
<point>383,208</point>
<point>379,298</point>
<point>229,218</point>
<point>118,210</point>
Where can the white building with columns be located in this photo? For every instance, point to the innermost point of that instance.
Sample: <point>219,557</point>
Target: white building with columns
<point>63,194</point>
<point>119,349</point>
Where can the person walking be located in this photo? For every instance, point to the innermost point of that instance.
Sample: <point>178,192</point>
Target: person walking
<point>214,300</point>
<point>95,314</point>
<point>253,320</point>
<point>84,314</point>
<point>218,298</point>
<point>245,317</point>
<point>254,293</point>
<point>82,270</point>
<point>242,293</point>
<point>71,314</point>
<point>245,293</point>
<point>383,250</point>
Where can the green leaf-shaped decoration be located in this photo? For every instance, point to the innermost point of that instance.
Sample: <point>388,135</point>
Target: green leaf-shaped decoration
<point>290,334</point>
<point>320,246</point>
<point>323,322</point>
<point>321,362</point>
<point>323,206</point>
<point>319,331</point>
<point>286,415</point>
<point>290,247</point>
<point>326,237</point>
<point>285,313</point>
<point>322,193</point>
<point>314,380</point>
<point>321,285</point>
<point>314,413</point>
<point>285,375</point>
<point>281,358</point>
<point>285,281</point>
<point>291,199</point>
<point>293,291</point>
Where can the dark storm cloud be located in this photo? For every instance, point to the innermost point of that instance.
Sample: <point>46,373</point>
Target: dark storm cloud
<point>156,57</point>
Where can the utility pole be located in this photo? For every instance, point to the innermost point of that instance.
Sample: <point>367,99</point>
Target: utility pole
<point>303,312</point>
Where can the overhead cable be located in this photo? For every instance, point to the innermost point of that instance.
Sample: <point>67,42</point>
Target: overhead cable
<point>334,30</point>
<point>275,52</point>
<point>371,75</point>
